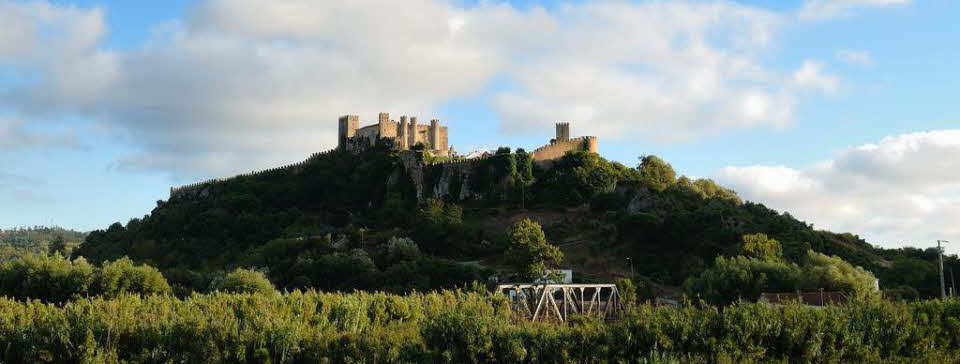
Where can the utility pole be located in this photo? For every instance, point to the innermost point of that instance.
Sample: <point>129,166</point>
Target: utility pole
<point>631,267</point>
<point>943,289</point>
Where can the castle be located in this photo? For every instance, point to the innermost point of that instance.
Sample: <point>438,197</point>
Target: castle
<point>408,133</point>
<point>404,134</point>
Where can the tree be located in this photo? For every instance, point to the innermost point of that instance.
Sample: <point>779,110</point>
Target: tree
<point>123,275</point>
<point>58,245</point>
<point>759,246</point>
<point>746,277</point>
<point>438,213</point>
<point>529,252</point>
<point>247,281</point>
<point>577,177</point>
<point>656,173</point>
<point>401,249</point>
<point>834,274</point>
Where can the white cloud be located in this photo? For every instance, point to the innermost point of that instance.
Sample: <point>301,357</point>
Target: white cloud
<point>242,84</point>
<point>666,70</point>
<point>224,91</point>
<point>902,189</point>
<point>825,9</point>
<point>855,57</point>
<point>39,31</point>
<point>811,75</point>
<point>14,134</point>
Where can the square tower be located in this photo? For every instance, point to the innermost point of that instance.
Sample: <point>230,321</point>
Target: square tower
<point>563,131</point>
<point>348,125</point>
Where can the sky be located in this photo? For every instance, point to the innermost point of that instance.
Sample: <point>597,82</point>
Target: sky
<point>838,111</point>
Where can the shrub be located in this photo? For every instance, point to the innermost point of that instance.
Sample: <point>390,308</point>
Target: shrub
<point>123,275</point>
<point>50,278</point>
<point>457,326</point>
<point>247,281</point>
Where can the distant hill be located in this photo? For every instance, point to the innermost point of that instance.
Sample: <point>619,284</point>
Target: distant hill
<point>36,239</point>
<point>390,220</point>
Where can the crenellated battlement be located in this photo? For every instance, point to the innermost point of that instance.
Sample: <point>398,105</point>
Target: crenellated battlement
<point>174,191</point>
<point>405,135</point>
<point>562,144</point>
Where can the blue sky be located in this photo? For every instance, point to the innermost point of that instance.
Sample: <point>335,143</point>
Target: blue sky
<point>807,106</point>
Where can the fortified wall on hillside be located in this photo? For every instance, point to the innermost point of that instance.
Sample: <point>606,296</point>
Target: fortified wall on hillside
<point>405,135</point>
<point>563,144</point>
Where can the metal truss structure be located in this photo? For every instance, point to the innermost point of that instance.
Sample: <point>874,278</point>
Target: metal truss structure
<point>560,301</point>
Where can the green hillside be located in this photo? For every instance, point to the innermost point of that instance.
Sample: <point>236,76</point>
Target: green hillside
<point>343,221</point>
<point>37,239</point>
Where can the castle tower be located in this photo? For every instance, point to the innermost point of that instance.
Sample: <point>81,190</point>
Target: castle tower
<point>403,135</point>
<point>563,131</point>
<point>348,125</point>
<point>414,132</point>
<point>384,125</point>
<point>591,144</point>
<point>434,134</point>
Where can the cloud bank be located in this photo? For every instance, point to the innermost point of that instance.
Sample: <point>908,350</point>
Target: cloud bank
<point>902,189</point>
<point>238,83</point>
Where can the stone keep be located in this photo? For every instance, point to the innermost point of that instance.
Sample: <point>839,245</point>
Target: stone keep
<point>404,135</point>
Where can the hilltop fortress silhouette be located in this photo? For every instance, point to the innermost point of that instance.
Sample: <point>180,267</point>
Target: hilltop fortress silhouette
<point>409,135</point>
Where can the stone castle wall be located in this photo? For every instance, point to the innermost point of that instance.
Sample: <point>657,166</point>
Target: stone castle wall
<point>559,148</point>
<point>197,188</point>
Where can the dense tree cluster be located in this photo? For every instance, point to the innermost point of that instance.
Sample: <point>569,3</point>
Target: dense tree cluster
<point>329,224</point>
<point>57,279</point>
<point>762,268</point>
<point>37,239</point>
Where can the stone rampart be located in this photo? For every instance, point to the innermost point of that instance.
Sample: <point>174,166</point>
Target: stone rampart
<point>559,148</point>
<point>197,187</point>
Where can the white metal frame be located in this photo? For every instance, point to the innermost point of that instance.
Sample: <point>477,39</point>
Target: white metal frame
<point>539,301</point>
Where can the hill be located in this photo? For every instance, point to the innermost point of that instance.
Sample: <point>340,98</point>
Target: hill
<point>36,239</point>
<point>402,220</point>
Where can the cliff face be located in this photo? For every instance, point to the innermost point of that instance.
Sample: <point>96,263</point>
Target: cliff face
<point>458,180</point>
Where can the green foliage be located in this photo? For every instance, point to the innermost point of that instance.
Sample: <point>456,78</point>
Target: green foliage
<point>462,327</point>
<point>759,246</point>
<point>743,277</point>
<point>627,290</point>
<point>656,173</point>
<point>123,275</point>
<point>247,281</point>
<point>49,278</point>
<point>438,213</point>
<point>529,253</point>
<point>834,274</point>
<point>57,279</point>
<point>37,240</point>
<point>672,228</point>
<point>731,279</point>
<point>59,246</point>
<point>577,177</point>
<point>402,250</point>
